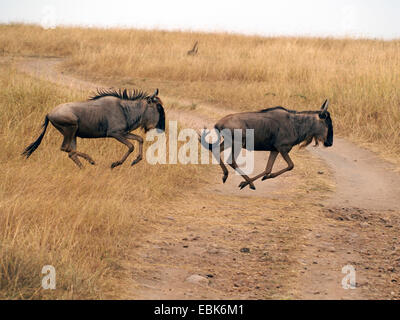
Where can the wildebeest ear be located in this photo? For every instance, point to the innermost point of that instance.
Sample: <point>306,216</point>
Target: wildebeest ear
<point>324,107</point>
<point>154,94</point>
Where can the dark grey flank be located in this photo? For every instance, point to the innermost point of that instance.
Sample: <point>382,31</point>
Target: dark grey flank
<point>276,130</point>
<point>108,114</point>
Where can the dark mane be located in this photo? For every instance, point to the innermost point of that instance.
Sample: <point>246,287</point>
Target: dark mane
<point>287,110</point>
<point>275,108</point>
<point>120,93</point>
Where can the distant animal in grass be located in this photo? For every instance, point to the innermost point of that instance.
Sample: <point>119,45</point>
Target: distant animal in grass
<point>194,50</point>
<point>107,114</point>
<point>276,130</point>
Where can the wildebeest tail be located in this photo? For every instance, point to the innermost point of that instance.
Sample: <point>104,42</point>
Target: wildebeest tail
<point>33,146</point>
<point>205,144</point>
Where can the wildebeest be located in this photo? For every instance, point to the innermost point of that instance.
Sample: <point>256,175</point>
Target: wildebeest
<point>276,130</point>
<point>109,113</point>
<point>194,50</point>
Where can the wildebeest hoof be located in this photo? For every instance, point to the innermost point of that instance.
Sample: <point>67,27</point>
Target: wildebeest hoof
<point>135,161</point>
<point>265,178</point>
<point>115,164</point>
<point>243,184</point>
<point>224,178</point>
<point>92,162</point>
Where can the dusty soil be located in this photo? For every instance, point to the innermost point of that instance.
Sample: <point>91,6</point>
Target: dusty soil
<point>269,243</point>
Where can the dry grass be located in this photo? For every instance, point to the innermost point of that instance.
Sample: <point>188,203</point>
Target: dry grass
<point>359,76</point>
<point>83,222</point>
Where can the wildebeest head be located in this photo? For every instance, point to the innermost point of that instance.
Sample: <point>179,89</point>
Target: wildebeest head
<point>326,134</point>
<point>154,113</point>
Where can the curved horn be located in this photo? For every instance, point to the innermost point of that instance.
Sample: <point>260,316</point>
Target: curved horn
<point>324,107</point>
<point>154,94</point>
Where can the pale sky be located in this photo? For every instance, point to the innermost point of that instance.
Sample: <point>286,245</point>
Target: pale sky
<point>357,18</point>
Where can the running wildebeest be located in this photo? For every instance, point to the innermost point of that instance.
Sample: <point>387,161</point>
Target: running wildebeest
<point>276,130</point>
<point>109,113</point>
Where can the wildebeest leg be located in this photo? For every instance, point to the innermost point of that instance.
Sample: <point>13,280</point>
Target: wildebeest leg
<point>268,169</point>
<point>67,147</point>
<point>140,140</point>
<point>290,166</point>
<point>81,154</point>
<point>68,127</point>
<point>69,144</point>
<point>221,162</point>
<point>74,157</point>
<point>125,141</point>
<point>236,168</point>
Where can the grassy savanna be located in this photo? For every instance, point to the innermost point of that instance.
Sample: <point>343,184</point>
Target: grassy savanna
<point>360,77</point>
<point>91,223</point>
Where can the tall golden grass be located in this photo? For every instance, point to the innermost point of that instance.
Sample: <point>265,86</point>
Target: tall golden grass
<point>83,222</point>
<point>360,77</point>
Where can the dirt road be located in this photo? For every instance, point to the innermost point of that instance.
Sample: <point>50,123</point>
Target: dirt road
<point>268,243</point>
